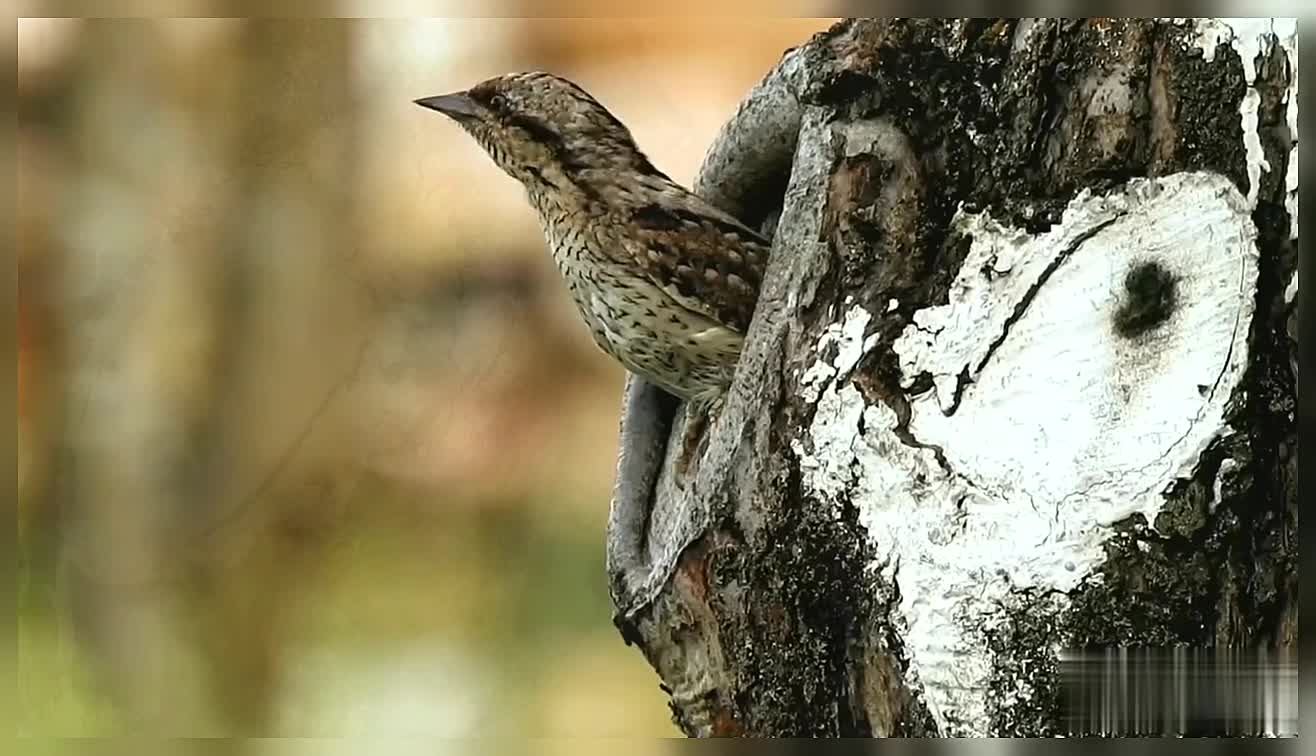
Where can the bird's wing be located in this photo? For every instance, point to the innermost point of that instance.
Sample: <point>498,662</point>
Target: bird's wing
<point>701,257</point>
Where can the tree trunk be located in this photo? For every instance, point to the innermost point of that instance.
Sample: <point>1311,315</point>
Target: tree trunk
<point>211,323</point>
<point>1021,382</point>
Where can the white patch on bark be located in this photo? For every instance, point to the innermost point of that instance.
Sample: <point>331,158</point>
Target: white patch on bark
<point>838,408</point>
<point>828,472</point>
<point>938,343</point>
<point>1253,37</point>
<point>848,335</point>
<point>1227,465</point>
<point>814,379</point>
<point>1211,33</point>
<point>1287,28</point>
<point>1256,157</point>
<point>851,344</point>
<point>1064,428</point>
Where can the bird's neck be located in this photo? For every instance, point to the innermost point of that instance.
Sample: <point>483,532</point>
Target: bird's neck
<point>588,192</point>
<point>604,166</point>
<point>619,183</point>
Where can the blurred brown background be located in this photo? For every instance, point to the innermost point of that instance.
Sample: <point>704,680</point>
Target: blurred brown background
<point>310,439</point>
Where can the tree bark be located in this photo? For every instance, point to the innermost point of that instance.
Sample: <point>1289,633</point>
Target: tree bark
<point>1021,380</point>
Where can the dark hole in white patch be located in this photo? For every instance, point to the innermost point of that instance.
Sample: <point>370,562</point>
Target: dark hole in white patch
<point>1149,299</point>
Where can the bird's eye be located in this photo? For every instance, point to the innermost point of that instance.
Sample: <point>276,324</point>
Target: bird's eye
<point>499,102</point>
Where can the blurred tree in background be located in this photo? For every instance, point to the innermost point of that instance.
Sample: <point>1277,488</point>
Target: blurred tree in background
<point>310,442</point>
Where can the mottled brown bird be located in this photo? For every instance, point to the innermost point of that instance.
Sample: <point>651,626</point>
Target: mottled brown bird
<point>665,281</point>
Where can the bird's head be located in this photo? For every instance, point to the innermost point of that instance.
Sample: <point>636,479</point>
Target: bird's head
<point>543,130</point>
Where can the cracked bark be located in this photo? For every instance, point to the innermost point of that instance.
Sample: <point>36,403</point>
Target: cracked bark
<point>754,599</point>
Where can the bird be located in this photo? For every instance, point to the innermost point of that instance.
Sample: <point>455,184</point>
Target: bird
<point>666,282</point>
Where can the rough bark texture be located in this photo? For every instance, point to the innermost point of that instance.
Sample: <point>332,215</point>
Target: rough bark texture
<point>771,590</point>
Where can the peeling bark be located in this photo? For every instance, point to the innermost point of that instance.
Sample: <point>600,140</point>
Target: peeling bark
<point>1021,379</point>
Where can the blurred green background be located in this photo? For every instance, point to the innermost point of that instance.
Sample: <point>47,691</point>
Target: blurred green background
<point>311,442</point>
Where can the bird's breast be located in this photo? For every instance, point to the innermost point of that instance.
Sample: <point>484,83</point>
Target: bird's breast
<point>636,322</point>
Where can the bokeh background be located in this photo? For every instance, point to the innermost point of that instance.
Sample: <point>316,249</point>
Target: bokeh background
<point>310,439</point>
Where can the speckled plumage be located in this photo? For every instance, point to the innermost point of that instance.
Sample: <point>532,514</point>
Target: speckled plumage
<point>666,282</point>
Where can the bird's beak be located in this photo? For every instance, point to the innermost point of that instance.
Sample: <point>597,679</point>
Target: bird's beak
<point>457,106</point>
